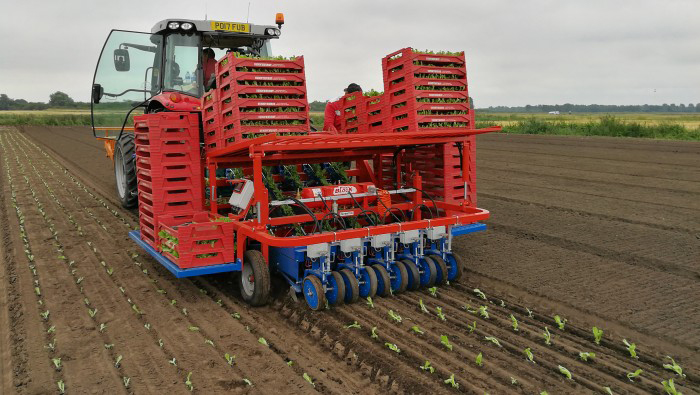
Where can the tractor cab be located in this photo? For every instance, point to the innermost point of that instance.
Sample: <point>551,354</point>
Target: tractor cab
<point>162,70</point>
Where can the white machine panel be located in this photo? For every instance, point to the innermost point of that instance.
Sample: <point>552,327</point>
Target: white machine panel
<point>350,245</point>
<point>242,193</point>
<point>380,241</point>
<point>314,251</point>
<point>436,232</point>
<point>409,236</point>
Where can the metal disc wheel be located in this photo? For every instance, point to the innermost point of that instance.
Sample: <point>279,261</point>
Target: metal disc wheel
<point>352,286</point>
<point>255,279</point>
<point>383,280</point>
<point>442,273</point>
<point>428,271</point>
<point>368,282</point>
<point>455,266</point>
<point>313,292</point>
<point>413,275</point>
<point>125,170</point>
<point>399,277</point>
<point>335,291</point>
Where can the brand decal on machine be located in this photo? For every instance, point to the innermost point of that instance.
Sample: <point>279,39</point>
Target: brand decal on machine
<point>344,190</point>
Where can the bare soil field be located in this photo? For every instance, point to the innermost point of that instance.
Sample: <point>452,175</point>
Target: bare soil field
<point>599,231</point>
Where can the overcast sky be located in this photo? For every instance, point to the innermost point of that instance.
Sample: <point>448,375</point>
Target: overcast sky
<point>518,52</point>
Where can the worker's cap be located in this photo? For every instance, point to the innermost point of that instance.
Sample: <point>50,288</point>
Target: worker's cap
<point>353,88</point>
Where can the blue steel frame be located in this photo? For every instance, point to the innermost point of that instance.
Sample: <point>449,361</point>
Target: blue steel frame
<point>135,235</point>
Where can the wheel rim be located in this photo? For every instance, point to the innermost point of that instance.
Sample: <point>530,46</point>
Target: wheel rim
<point>311,294</point>
<point>395,275</point>
<point>365,282</point>
<point>332,292</point>
<point>248,280</point>
<point>451,263</point>
<point>424,271</point>
<point>119,173</point>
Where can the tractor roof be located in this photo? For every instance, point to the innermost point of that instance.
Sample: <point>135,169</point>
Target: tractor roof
<point>216,26</point>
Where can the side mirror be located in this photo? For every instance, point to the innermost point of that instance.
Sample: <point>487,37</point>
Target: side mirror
<point>121,60</point>
<point>97,92</point>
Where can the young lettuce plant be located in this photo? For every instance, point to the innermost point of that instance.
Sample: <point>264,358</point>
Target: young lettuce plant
<point>369,302</point>
<point>395,316</point>
<point>597,335</point>
<point>561,322</point>
<point>309,379</point>
<point>426,367</point>
<point>422,306</point>
<point>374,334</point>
<point>480,294</point>
<point>445,342</point>
<point>565,372</point>
<point>354,325</point>
<point>528,354</point>
<point>433,291</point>
<point>263,342</point>
<point>632,348</point>
<point>493,340</point>
<point>670,387</point>
<point>393,347</point>
<point>585,355</point>
<point>417,329</point>
<point>632,375</point>
<point>515,322</point>
<point>483,311</point>
<point>230,359</point>
<point>451,381</point>
<point>547,336</point>
<point>188,382</point>
<point>479,360</point>
<point>674,367</point>
<point>472,327</point>
<point>440,313</point>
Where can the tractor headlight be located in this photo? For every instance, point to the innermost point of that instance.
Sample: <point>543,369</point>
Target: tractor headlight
<point>173,25</point>
<point>270,31</point>
<point>277,32</point>
<point>186,26</point>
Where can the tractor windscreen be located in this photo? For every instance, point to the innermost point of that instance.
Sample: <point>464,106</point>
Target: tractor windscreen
<point>185,61</point>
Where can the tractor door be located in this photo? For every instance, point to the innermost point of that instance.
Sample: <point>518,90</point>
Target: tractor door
<point>127,74</point>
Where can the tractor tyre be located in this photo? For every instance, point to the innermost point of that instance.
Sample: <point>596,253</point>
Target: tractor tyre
<point>313,292</point>
<point>255,279</point>
<point>368,280</point>
<point>429,268</point>
<point>125,170</point>
<point>401,280</point>
<point>456,267</point>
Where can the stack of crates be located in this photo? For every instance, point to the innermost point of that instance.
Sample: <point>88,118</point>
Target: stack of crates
<point>424,93</point>
<point>168,168</point>
<point>255,97</point>
<point>362,114</point>
<point>170,181</point>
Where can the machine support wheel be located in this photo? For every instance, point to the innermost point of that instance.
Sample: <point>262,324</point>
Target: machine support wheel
<point>441,278</point>
<point>455,267</point>
<point>335,294</point>
<point>400,280</point>
<point>125,170</point>
<point>383,280</point>
<point>413,274</point>
<point>368,282</point>
<point>313,292</point>
<point>255,278</point>
<point>428,271</point>
<point>352,286</point>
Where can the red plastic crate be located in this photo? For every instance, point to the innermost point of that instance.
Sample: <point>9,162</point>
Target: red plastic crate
<point>197,236</point>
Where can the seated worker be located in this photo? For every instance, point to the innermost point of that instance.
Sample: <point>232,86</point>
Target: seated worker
<point>331,121</point>
<point>208,67</point>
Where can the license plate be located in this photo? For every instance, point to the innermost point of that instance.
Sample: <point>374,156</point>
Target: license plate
<point>231,27</point>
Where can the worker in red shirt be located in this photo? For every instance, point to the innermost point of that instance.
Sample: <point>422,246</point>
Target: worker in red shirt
<point>331,120</point>
<point>208,66</point>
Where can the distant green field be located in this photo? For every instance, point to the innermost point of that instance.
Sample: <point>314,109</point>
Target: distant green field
<point>658,126</point>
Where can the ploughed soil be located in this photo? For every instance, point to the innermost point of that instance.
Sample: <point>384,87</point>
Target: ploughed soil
<point>602,232</point>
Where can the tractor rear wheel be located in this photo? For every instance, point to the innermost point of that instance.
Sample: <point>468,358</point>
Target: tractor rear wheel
<point>413,274</point>
<point>125,170</point>
<point>255,279</point>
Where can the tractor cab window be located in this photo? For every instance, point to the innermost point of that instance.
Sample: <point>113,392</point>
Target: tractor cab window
<point>182,60</point>
<point>127,74</point>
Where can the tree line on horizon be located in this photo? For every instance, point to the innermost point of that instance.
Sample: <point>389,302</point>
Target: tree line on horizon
<point>60,99</point>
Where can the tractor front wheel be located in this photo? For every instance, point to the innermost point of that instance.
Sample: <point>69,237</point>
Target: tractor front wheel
<point>255,279</point>
<point>125,170</point>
